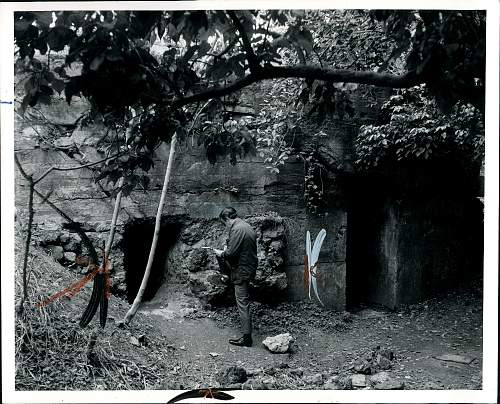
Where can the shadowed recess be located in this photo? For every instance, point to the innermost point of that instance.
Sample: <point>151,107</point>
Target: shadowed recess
<point>136,245</point>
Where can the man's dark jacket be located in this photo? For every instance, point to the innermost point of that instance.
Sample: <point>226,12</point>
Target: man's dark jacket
<point>241,251</point>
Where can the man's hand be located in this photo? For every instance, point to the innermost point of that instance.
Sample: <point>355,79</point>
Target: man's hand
<point>218,252</point>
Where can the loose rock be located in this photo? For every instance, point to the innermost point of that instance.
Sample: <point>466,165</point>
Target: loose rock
<point>134,341</point>
<point>64,238</point>
<point>316,379</point>
<point>207,285</point>
<point>431,386</point>
<point>297,371</point>
<point>254,385</point>
<point>231,375</point>
<point>270,371</point>
<point>57,252</point>
<point>390,385</point>
<point>255,372</point>
<point>70,256</point>
<point>363,366</point>
<point>358,380</point>
<point>279,343</point>
<point>269,383</point>
<point>386,353</point>
<point>333,383</point>
<point>379,377</point>
<point>383,362</point>
<point>345,383</point>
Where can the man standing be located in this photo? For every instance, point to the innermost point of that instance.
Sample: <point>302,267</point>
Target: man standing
<point>240,255</point>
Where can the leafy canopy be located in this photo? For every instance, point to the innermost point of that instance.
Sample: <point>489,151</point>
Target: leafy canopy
<point>210,55</point>
<point>413,128</point>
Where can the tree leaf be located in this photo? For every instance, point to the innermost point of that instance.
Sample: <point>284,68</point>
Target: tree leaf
<point>58,37</point>
<point>43,19</point>
<point>161,28</point>
<point>97,61</point>
<point>58,85</point>
<point>71,89</point>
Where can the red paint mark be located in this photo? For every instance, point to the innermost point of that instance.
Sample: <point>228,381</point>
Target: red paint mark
<point>71,290</point>
<point>306,273</point>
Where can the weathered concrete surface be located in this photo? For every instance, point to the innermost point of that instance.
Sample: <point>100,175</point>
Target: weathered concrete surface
<point>421,238</point>
<point>332,266</point>
<point>198,191</point>
<point>383,278</point>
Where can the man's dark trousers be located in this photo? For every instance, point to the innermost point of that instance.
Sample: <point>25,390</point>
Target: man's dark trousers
<point>242,297</point>
<point>243,304</point>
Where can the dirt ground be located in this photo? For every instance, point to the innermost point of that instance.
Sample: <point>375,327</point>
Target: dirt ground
<point>330,343</point>
<point>176,343</point>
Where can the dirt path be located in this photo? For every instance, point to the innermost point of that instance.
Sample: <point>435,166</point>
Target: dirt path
<point>450,324</point>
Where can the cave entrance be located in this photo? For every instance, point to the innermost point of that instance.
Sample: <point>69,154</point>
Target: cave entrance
<point>137,238</point>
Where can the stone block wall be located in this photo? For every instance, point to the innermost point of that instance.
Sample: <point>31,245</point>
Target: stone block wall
<point>197,192</point>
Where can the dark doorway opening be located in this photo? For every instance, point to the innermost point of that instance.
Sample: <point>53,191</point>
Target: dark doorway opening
<point>136,244</point>
<point>363,221</point>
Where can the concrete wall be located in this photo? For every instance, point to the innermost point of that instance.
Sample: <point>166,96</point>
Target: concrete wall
<point>197,190</point>
<point>408,244</point>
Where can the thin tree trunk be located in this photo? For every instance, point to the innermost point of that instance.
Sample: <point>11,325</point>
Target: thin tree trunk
<point>112,229</point>
<point>31,213</point>
<point>135,305</point>
<point>96,331</point>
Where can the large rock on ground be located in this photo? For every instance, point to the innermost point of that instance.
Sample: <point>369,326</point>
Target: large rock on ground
<point>279,343</point>
<point>208,285</point>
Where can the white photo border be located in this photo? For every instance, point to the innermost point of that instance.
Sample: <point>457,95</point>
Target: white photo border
<point>490,313</point>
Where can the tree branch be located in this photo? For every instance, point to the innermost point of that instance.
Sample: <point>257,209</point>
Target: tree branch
<point>228,48</point>
<point>75,167</point>
<point>266,32</point>
<point>216,92</point>
<point>406,80</point>
<point>85,239</point>
<point>247,46</point>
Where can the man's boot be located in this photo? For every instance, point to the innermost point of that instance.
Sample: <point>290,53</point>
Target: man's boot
<point>245,340</point>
